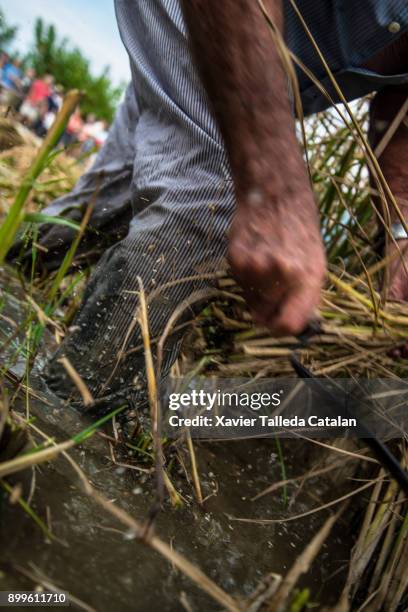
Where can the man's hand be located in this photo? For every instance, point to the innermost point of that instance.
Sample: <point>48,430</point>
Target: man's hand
<point>279,261</point>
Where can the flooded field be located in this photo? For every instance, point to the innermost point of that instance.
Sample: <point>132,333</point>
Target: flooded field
<point>80,548</point>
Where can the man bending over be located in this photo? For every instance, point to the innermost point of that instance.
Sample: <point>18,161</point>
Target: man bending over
<point>202,163</point>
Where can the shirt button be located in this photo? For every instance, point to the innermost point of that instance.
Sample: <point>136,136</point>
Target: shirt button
<point>394,27</point>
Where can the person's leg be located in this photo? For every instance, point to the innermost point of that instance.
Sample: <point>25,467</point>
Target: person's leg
<point>393,159</point>
<point>168,242</point>
<point>394,165</point>
<point>182,201</point>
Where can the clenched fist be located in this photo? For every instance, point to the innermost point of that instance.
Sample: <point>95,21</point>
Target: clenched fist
<point>277,255</point>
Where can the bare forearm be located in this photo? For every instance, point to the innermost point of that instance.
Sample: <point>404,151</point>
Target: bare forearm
<point>246,82</point>
<point>275,250</point>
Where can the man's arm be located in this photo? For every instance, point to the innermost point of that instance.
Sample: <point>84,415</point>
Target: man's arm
<point>275,248</point>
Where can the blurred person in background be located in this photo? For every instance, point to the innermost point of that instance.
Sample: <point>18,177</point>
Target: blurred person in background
<point>11,75</point>
<point>87,133</point>
<point>27,80</point>
<point>35,105</point>
<point>74,129</point>
<point>94,133</point>
<point>11,83</point>
<point>54,103</point>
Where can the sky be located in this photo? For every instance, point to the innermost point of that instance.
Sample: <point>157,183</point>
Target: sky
<point>89,24</point>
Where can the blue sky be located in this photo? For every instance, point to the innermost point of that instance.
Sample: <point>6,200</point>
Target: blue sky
<point>89,24</point>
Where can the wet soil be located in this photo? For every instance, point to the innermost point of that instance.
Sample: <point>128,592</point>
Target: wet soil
<point>99,562</point>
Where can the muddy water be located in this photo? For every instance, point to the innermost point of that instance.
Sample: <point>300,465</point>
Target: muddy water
<point>100,563</point>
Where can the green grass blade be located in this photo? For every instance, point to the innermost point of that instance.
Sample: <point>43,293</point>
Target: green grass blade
<point>15,215</point>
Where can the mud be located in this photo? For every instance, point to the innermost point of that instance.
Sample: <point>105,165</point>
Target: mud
<point>98,561</point>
